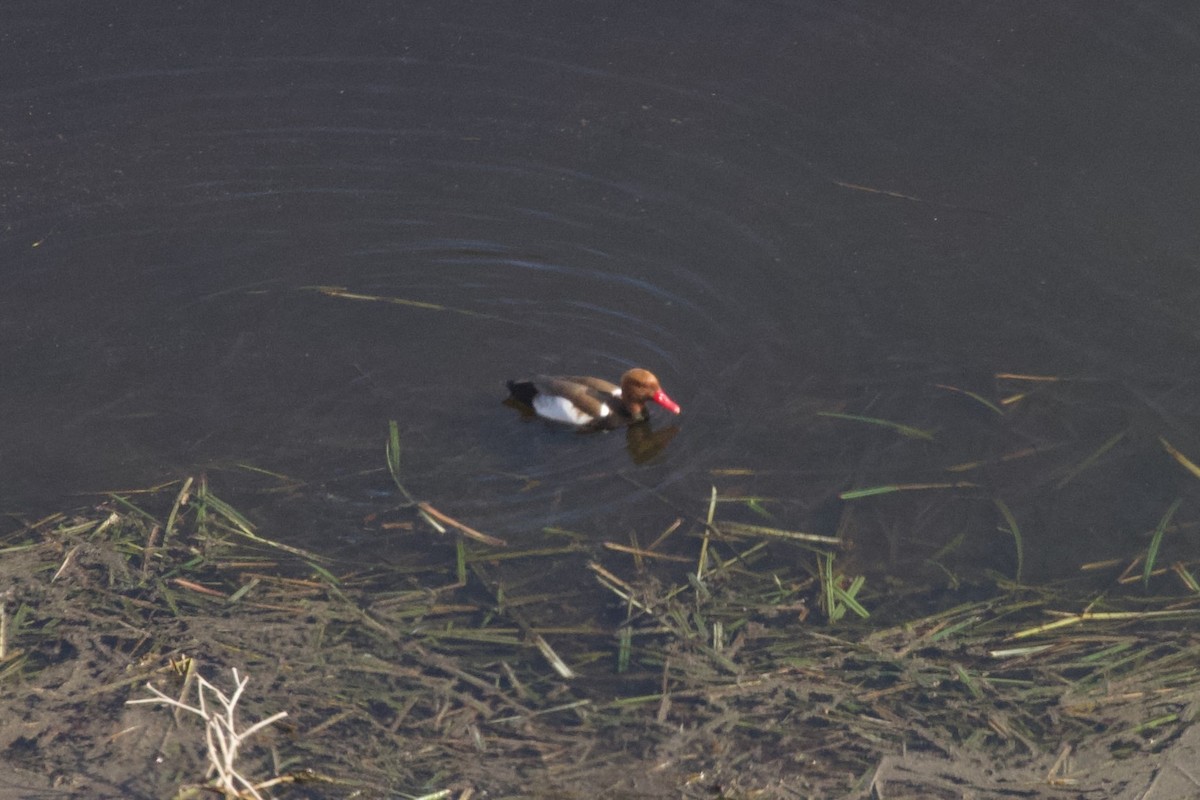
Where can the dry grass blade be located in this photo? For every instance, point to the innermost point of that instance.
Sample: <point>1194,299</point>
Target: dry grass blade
<point>1014,376</point>
<point>978,398</point>
<point>1183,460</point>
<point>640,552</point>
<point>1185,575</point>
<point>618,587</point>
<point>470,533</point>
<point>1069,619</point>
<point>345,294</point>
<point>743,529</point>
<point>552,657</point>
<point>871,190</point>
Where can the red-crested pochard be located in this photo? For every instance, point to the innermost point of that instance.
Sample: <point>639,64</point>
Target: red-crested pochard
<point>592,403</point>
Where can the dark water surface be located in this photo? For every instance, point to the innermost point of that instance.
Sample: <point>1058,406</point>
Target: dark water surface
<point>780,208</point>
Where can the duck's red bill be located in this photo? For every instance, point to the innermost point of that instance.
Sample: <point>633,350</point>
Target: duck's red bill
<point>661,398</point>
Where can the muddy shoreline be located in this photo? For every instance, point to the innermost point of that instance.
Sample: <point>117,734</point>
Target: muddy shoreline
<point>722,678</point>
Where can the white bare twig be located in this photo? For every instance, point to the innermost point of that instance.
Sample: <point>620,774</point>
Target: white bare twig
<point>220,730</point>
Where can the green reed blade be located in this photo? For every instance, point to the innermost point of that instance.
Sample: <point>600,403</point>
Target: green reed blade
<point>1015,530</point>
<point>1156,542</point>
<point>848,599</point>
<point>624,649</point>
<point>871,491</point>
<point>393,459</point>
<point>1093,458</point>
<point>904,430</point>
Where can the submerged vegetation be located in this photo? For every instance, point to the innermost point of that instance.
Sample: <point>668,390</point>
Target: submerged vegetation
<point>711,658</point>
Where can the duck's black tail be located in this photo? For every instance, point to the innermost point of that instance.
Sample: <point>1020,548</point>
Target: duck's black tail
<point>522,391</point>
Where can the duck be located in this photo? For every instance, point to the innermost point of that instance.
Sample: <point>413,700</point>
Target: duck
<point>592,403</point>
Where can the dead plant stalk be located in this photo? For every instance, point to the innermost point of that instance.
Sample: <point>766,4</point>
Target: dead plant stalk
<point>220,730</point>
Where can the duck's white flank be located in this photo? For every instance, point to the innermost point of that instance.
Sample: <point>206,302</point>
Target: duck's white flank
<point>560,409</point>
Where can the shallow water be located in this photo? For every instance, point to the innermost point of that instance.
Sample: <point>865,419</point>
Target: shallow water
<point>781,209</point>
